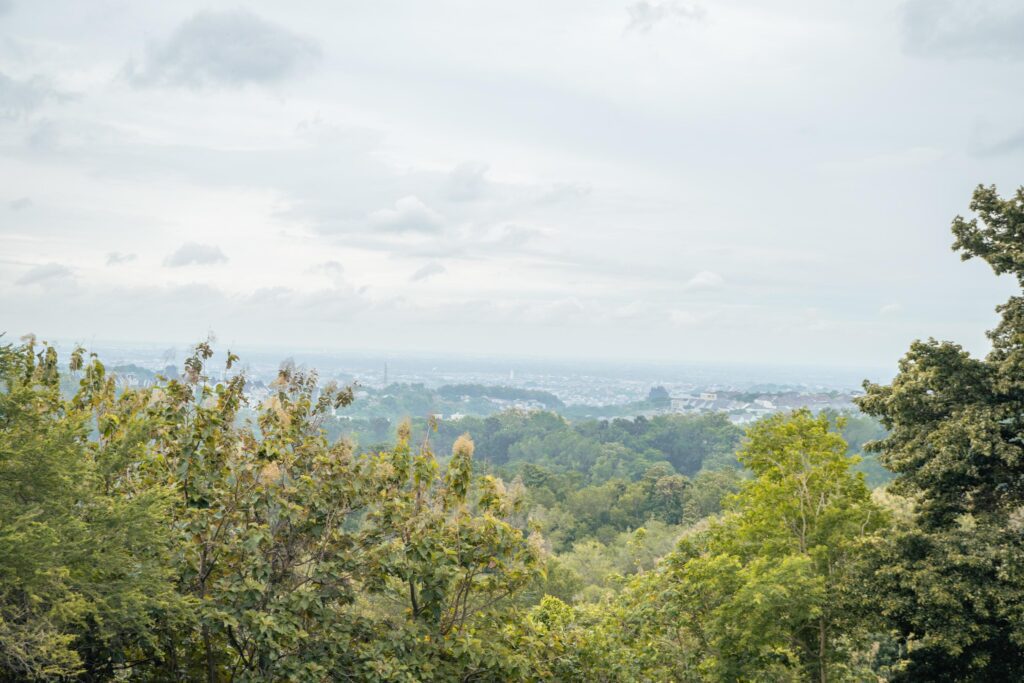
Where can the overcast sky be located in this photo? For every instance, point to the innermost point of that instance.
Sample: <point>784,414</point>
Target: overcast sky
<point>728,180</point>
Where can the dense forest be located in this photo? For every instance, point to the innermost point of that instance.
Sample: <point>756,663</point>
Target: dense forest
<point>174,532</point>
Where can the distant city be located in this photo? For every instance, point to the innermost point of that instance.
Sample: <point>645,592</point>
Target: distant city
<point>744,392</point>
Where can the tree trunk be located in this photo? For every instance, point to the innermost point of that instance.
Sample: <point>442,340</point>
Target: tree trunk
<point>211,671</point>
<point>822,652</point>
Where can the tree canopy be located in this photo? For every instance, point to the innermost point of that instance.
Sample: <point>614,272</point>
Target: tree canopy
<point>953,582</point>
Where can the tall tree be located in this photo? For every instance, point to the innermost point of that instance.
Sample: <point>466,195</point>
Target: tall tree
<point>953,583</point>
<point>445,562</point>
<point>796,531</point>
<point>760,595</point>
<point>85,552</point>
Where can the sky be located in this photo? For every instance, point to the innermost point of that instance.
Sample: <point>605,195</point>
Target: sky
<point>716,180</point>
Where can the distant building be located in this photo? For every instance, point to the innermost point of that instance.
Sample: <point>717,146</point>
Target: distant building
<point>708,396</point>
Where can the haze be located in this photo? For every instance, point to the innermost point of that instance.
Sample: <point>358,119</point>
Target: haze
<point>706,181</point>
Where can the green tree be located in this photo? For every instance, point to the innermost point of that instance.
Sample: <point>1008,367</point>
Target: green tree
<point>760,594</point>
<point>807,510</point>
<point>952,583</point>
<point>85,554</point>
<point>168,532</point>
<point>445,565</point>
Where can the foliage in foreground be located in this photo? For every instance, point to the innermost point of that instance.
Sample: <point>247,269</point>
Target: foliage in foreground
<point>152,532</point>
<point>954,581</point>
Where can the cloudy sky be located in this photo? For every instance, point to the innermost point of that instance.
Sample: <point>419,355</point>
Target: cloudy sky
<point>726,180</point>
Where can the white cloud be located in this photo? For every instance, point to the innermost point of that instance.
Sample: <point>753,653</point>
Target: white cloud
<point>429,270</point>
<point>329,267</point>
<point>21,97</point>
<point>334,271</point>
<point>680,318</point>
<point>194,254</point>
<point>116,258</point>
<point>897,160</point>
<point>568,310</point>
<point>890,309</point>
<point>705,279</point>
<point>46,273</point>
<point>19,204</point>
<point>409,215</point>
<point>990,143</point>
<point>563,192</point>
<point>229,48</point>
<point>511,237</point>
<point>466,181</point>
<point>170,314</point>
<point>964,28</point>
<point>45,136</point>
<point>646,14</point>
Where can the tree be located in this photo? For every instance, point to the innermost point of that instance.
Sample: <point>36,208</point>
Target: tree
<point>293,546</point>
<point>168,532</point>
<point>808,508</point>
<point>272,552</point>
<point>953,582</point>
<point>760,594</point>
<point>658,395</point>
<point>445,564</point>
<point>85,554</point>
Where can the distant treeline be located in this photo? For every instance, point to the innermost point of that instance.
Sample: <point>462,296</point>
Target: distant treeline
<point>601,449</point>
<point>457,391</point>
